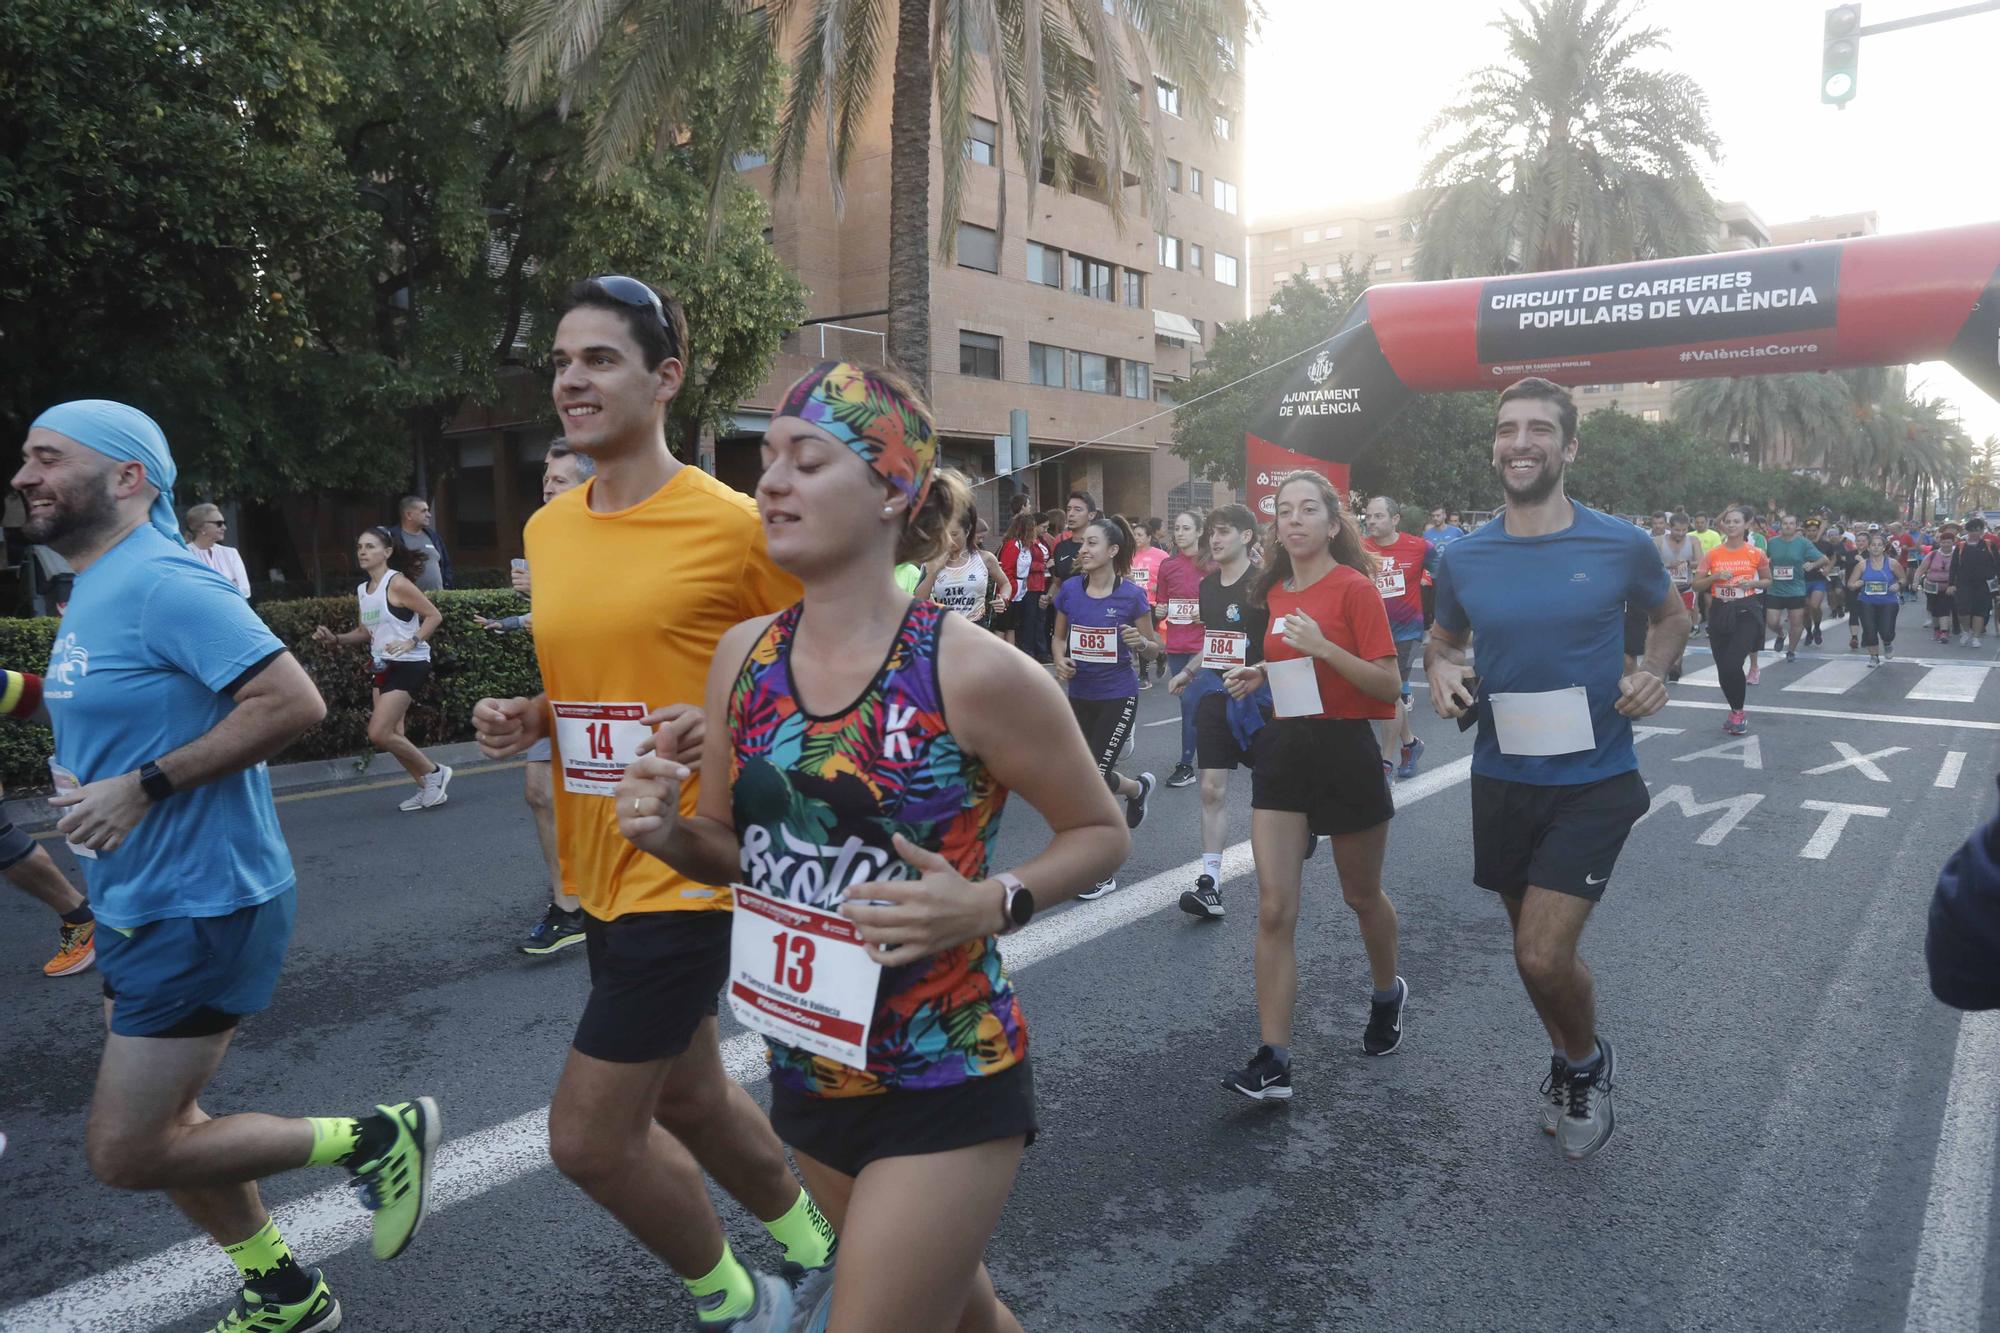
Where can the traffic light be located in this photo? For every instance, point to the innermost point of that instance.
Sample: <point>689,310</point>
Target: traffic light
<point>1842,56</point>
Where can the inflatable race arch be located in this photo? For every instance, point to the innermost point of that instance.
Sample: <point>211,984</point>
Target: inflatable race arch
<point>1866,301</point>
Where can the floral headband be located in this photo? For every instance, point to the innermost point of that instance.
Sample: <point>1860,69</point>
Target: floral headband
<point>870,416</point>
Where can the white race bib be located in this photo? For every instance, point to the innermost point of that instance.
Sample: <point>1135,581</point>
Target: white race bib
<point>1294,687</point>
<point>1551,722</point>
<point>1783,573</point>
<point>596,742</point>
<point>1223,649</point>
<point>1183,610</point>
<point>801,976</point>
<point>66,782</point>
<point>1142,577</point>
<point>1389,580</point>
<point>1090,644</point>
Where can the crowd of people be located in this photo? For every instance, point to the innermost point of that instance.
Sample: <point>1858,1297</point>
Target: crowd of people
<point>773,761</point>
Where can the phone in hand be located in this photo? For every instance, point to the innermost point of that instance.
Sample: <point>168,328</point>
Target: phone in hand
<point>1470,717</point>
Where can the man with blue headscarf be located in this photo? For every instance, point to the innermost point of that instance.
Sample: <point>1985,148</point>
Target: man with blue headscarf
<point>167,695</point>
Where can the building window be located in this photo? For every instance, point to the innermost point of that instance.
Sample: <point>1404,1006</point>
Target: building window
<point>1225,269</point>
<point>749,161</point>
<point>1409,261</point>
<point>1090,277</point>
<point>1092,372</point>
<point>1163,393</point>
<point>978,247</point>
<point>1383,266</point>
<point>1225,195</point>
<point>979,354</point>
<point>1138,379</point>
<point>1382,230</point>
<point>1044,264</point>
<point>1194,180</point>
<point>1223,129</point>
<point>1173,174</point>
<point>1045,365</point>
<point>1170,250</point>
<point>1194,258</point>
<point>1191,494</point>
<point>1169,96</point>
<point>1200,327</point>
<point>1651,414</point>
<point>1312,272</point>
<point>1333,233</point>
<point>979,140</point>
<point>1311,235</point>
<point>1614,388</point>
<point>1135,289</point>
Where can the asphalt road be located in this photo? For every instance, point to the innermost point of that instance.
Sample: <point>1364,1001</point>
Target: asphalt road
<point>1786,1079</point>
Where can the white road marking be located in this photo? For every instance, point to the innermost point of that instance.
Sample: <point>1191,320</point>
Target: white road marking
<point>1682,798</point>
<point>1836,677</point>
<point>1641,733</point>
<point>1827,835</point>
<point>1843,717</point>
<point>1957,682</point>
<point>1946,1292</point>
<point>1705,677</point>
<point>1954,764</point>
<point>194,1275</point>
<point>1852,758</point>
<point>1744,750</point>
<point>1163,722</point>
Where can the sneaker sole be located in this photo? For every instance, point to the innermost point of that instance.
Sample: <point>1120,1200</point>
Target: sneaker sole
<point>82,966</point>
<point>1176,786</point>
<point>534,951</point>
<point>433,1132</point>
<point>1610,1114</point>
<point>1192,904</point>
<point>1094,894</point>
<point>326,1323</point>
<point>1261,1094</point>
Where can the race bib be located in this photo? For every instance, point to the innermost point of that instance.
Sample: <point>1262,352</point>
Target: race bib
<point>801,976</point>
<point>1931,586</point>
<point>597,741</point>
<point>1784,573</point>
<point>1089,644</point>
<point>1389,580</point>
<point>1875,588</point>
<point>1993,585</point>
<point>66,782</point>
<point>1142,577</point>
<point>1223,649</point>
<point>1183,610</point>
<point>1731,592</point>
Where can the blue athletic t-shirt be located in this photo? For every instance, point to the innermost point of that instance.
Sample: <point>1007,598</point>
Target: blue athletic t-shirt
<point>149,643</point>
<point>1548,613</point>
<point>1126,605</point>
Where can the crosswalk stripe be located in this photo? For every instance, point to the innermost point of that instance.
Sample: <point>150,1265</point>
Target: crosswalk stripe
<point>1833,678</point>
<point>1705,676</point>
<point>1958,683</point>
<point>1942,682</point>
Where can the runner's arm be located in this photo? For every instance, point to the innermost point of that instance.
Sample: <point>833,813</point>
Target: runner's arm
<point>1445,669</point>
<point>1059,647</point>
<point>273,708</point>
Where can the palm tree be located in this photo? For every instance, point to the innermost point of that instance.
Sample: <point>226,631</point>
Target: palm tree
<point>1980,484</point>
<point>1570,154</point>
<point>1758,410</point>
<point>1062,70</point>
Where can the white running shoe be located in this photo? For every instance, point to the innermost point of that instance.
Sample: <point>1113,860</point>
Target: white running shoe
<point>434,785</point>
<point>416,802</point>
<point>1098,890</point>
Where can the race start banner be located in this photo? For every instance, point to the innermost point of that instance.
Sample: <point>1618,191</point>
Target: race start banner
<point>1865,301</point>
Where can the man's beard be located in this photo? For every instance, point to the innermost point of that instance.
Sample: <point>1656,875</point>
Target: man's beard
<point>74,525</point>
<point>1541,488</point>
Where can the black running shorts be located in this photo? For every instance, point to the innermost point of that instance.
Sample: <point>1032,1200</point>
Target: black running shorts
<point>15,846</point>
<point>654,976</point>
<point>1566,839</point>
<point>847,1133</point>
<point>1214,743</point>
<point>1327,769</point>
<point>1107,726</point>
<point>1773,602</point>
<point>408,677</point>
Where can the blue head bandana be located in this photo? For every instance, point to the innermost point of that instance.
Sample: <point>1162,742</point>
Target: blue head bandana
<point>127,435</point>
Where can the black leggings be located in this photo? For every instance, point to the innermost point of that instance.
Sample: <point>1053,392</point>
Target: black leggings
<point>1878,621</point>
<point>1735,630</point>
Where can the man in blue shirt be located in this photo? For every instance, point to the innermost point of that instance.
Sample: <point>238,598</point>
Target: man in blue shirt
<point>1555,782</point>
<point>167,695</point>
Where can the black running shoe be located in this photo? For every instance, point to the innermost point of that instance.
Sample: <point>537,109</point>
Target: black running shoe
<point>1182,776</point>
<point>1385,1022</point>
<point>556,930</point>
<point>1264,1079</point>
<point>1135,806</point>
<point>1204,899</point>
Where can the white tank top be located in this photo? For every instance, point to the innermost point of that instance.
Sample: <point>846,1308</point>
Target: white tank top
<point>963,589</point>
<point>385,626</point>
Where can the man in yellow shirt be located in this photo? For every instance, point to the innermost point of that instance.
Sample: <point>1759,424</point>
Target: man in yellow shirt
<point>638,573</point>
<point>1709,539</point>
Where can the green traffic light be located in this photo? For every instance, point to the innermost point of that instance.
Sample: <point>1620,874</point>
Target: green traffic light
<point>1841,57</point>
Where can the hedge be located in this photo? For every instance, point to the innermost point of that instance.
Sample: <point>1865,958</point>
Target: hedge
<point>468,664</point>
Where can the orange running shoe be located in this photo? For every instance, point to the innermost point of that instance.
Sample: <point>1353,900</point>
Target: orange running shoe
<point>78,952</point>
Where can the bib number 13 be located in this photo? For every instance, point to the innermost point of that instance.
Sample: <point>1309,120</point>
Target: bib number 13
<point>794,966</point>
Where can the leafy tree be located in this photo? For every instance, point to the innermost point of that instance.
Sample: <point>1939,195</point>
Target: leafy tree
<point>1570,154</point>
<point>1039,67</point>
<point>1758,410</point>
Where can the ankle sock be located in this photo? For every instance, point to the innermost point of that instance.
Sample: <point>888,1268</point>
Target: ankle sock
<point>804,1232</point>
<point>1282,1054</point>
<point>349,1140</point>
<point>726,1292</point>
<point>1390,996</point>
<point>1588,1066</point>
<point>80,915</point>
<point>1211,865</point>
<point>264,1259</point>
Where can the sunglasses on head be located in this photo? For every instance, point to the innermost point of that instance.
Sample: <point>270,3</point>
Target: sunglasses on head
<point>632,292</point>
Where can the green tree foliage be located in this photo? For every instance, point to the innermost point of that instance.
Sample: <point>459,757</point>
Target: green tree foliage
<point>1572,153</point>
<point>1437,451</point>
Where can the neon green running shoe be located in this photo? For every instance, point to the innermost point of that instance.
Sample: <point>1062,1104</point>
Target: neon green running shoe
<point>396,1186</point>
<point>257,1313</point>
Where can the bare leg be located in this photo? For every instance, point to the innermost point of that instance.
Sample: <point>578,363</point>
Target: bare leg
<point>1513,906</point>
<point>37,876</point>
<point>1797,618</point>
<point>1214,809</point>
<point>728,1133</point>
<point>1546,933</point>
<point>1358,859</point>
<point>385,732</point>
<point>540,792</point>
<point>1276,837</point>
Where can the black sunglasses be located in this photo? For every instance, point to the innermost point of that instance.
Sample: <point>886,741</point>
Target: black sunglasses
<point>632,292</point>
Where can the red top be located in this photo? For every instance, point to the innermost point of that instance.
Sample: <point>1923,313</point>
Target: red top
<point>1038,565</point>
<point>1350,613</point>
<point>1179,580</point>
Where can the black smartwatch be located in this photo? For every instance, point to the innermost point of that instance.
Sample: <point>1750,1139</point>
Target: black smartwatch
<point>1019,903</point>
<point>156,784</point>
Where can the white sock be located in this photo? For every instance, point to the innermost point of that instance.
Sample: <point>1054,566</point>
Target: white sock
<point>1211,865</point>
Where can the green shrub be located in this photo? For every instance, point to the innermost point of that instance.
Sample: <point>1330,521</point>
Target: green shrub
<point>467,665</point>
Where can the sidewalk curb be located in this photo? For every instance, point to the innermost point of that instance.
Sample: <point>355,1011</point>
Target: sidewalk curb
<point>33,814</point>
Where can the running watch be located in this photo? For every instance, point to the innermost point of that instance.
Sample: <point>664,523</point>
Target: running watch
<point>1018,905</point>
<point>156,784</point>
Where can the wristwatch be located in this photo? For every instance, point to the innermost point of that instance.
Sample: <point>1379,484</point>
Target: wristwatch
<point>1018,905</point>
<point>156,784</point>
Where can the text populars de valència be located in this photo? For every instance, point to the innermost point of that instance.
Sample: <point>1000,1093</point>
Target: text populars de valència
<point>1697,295</point>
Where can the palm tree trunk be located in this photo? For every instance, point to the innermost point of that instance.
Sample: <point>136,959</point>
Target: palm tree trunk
<point>909,342</point>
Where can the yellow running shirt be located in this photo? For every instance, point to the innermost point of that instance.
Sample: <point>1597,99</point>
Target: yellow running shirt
<point>628,609</point>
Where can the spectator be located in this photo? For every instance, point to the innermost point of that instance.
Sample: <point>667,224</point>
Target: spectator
<point>205,528</point>
<point>416,534</point>
<point>1963,945</point>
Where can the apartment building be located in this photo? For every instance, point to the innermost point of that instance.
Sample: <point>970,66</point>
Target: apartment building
<point>1049,306</point>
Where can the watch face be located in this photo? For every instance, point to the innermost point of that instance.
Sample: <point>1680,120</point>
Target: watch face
<point>1020,906</point>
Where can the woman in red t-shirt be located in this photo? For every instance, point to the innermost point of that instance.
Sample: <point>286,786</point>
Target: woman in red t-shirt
<point>1177,607</point>
<point>1025,562</point>
<point>1316,768</point>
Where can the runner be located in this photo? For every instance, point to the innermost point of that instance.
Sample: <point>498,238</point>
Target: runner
<point>1401,562</point>
<point>1709,539</point>
<point>635,581</point>
<point>1816,582</point>
<point>32,870</point>
<point>1733,574</point>
<point>1975,579</point>
<point>561,923</point>
<point>1026,561</point>
<point>1755,534</point>
<point>1793,560</point>
<point>1879,577</point>
<point>911,1131</point>
<point>399,653</point>
<point>1934,576</point>
<point>1231,626</point>
<point>1177,607</point>
<point>1555,782</point>
<point>1681,554</point>
<point>167,695</point>
<point>1146,562</point>
<point>1330,662</point>
<point>965,579</point>
<point>1104,630</point>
